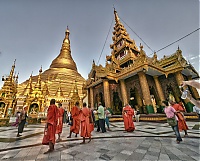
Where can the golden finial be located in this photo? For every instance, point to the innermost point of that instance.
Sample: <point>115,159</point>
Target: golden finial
<point>40,69</point>
<point>116,16</point>
<point>14,62</point>
<point>67,30</point>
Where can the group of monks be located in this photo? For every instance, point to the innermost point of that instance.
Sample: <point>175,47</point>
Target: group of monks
<point>81,121</point>
<point>128,113</point>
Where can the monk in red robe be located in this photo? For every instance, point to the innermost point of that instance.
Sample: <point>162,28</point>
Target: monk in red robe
<point>85,115</point>
<point>127,114</point>
<point>52,118</point>
<point>181,120</point>
<point>75,120</point>
<point>59,126</point>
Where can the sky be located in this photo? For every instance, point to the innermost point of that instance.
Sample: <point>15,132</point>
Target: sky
<point>32,31</point>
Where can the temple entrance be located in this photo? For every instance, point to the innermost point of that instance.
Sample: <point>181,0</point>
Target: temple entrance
<point>133,101</point>
<point>117,103</point>
<point>99,98</point>
<point>170,93</point>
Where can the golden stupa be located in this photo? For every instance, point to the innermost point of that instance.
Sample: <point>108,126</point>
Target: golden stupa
<point>61,82</point>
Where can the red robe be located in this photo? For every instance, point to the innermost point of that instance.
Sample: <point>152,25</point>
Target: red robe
<point>85,122</point>
<point>181,120</point>
<point>76,121</point>
<point>60,121</point>
<point>52,117</point>
<point>128,113</point>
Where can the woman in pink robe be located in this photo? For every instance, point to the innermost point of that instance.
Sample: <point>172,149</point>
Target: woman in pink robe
<point>85,123</point>
<point>127,114</point>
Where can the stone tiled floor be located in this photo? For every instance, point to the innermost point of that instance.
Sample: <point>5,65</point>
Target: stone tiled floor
<point>150,141</point>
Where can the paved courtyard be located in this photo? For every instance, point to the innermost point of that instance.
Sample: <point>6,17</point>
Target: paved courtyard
<point>150,141</point>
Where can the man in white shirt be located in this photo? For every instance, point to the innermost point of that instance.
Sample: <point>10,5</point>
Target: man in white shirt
<point>197,110</point>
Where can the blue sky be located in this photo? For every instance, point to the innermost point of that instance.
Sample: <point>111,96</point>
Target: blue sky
<point>32,31</point>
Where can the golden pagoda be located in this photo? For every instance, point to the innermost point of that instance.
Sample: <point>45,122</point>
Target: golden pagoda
<point>57,82</point>
<point>8,93</point>
<point>131,77</point>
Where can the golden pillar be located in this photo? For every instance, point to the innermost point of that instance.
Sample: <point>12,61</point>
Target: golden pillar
<point>159,89</point>
<point>194,90</point>
<point>179,79</point>
<point>124,92</point>
<point>145,88</point>
<point>91,97</point>
<point>106,93</point>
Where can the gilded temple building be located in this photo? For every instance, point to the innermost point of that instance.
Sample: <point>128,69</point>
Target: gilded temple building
<point>132,77</point>
<point>61,82</point>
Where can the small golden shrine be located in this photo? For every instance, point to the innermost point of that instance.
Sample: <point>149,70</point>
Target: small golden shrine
<point>130,76</point>
<point>61,82</point>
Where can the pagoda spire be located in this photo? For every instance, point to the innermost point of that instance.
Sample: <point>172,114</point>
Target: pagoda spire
<point>116,17</point>
<point>75,95</point>
<point>45,90</point>
<point>28,88</point>
<point>38,84</point>
<point>64,59</point>
<point>59,92</point>
<point>12,71</point>
<point>123,46</point>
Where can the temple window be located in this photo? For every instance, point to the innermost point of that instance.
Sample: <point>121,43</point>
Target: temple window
<point>123,54</point>
<point>120,44</point>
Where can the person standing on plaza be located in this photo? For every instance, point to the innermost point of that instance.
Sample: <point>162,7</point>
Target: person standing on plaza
<point>196,110</point>
<point>22,120</point>
<point>107,115</point>
<point>75,127</point>
<point>181,120</point>
<point>137,115</point>
<point>69,120</point>
<point>17,115</point>
<point>52,118</point>
<point>101,115</point>
<point>92,118</point>
<point>59,126</point>
<point>85,116</point>
<point>96,118</point>
<point>65,117</point>
<point>127,114</point>
<point>170,113</point>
